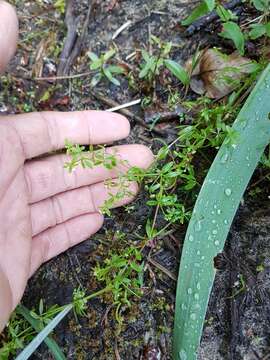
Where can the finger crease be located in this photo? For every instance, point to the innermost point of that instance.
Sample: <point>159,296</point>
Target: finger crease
<point>92,199</point>
<point>68,176</point>
<point>28,182</point>
<point>47,244</point>
<point>24,152</point>
<point>89,129</point>
<point>56,210</point>
<point>52,130</point>
<point>68,236</point>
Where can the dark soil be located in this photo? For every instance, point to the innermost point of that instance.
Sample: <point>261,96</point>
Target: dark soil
<point>237,323</point>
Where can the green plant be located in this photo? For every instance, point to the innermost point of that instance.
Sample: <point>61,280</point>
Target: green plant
<point>98,156</point>
<point>262,28</point>
<point>18,333</point>
<point>231,30</point>
<point>178,71</point>
<point>225,14</point>
<point>42,335</point>
<point>202,9</point>
<point>150,68</point>
<point>60,5</point>
<point>261,5</point>
<point>90,158</point>
<point>212,216</point>
<point>38,321</point>
<point>23,327</point>
<point>123,274</point>
<point>103,69</point>
<point>44,323</point>
<point>153,63</point>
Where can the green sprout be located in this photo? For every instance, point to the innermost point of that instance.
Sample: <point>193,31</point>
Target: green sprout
<point>103,69</point>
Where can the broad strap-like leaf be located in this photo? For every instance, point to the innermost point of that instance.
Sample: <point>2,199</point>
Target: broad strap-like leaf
<point>213,214</point>
<point>52,345</point>
<point>34,344</point>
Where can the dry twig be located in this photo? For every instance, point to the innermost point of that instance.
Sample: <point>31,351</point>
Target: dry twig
<point>111,103</point>
<point>73,42</point>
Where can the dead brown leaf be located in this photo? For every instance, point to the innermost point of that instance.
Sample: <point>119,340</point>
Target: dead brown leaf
<point>217,74</point>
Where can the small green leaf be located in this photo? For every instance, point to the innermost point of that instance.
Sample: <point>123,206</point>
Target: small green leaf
<point>136,267</point>
<point>109,54</point>
<point>267,28</point>
<point>114,69</point>
<point>96,61</point>
<point>233,32</point>
<point>96,79</point>
<point>225,14</point>
<point>92,56</point>
<point>199,11</point>
<point>177,71</point>
<point>257,31</point>
<point>148,229</point>
<point>210,4</point>
<point>261,5</point>
<point>167,48</point>
<point>145,55</point>
<point>95,65</point>
<point>109,76</point>
<point>147,67</point>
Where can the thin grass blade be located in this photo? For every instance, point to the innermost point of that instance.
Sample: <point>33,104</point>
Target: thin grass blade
<point>34,344</point>
<point>213,214</point>
<point>52,345</point>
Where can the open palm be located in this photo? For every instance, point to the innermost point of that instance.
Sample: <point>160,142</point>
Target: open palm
<point>44,210</point>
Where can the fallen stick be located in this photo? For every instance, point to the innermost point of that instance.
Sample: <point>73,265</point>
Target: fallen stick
<point>73,43</point>
<point>72,24</point>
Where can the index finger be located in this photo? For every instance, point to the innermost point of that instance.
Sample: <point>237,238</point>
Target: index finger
<point>47,131</point>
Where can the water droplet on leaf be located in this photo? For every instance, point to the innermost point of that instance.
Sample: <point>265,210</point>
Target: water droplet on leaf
<point>228,192</point>
<point>182,355</point>
<point>198,226</point>
<point>224,158</point>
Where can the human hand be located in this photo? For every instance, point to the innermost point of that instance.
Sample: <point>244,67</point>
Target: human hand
<point>44,210</point>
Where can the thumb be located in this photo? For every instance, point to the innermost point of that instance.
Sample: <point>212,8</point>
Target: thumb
<point>8,33</point>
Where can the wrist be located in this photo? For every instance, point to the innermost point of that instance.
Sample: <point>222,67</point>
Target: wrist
<point>5,300</point>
